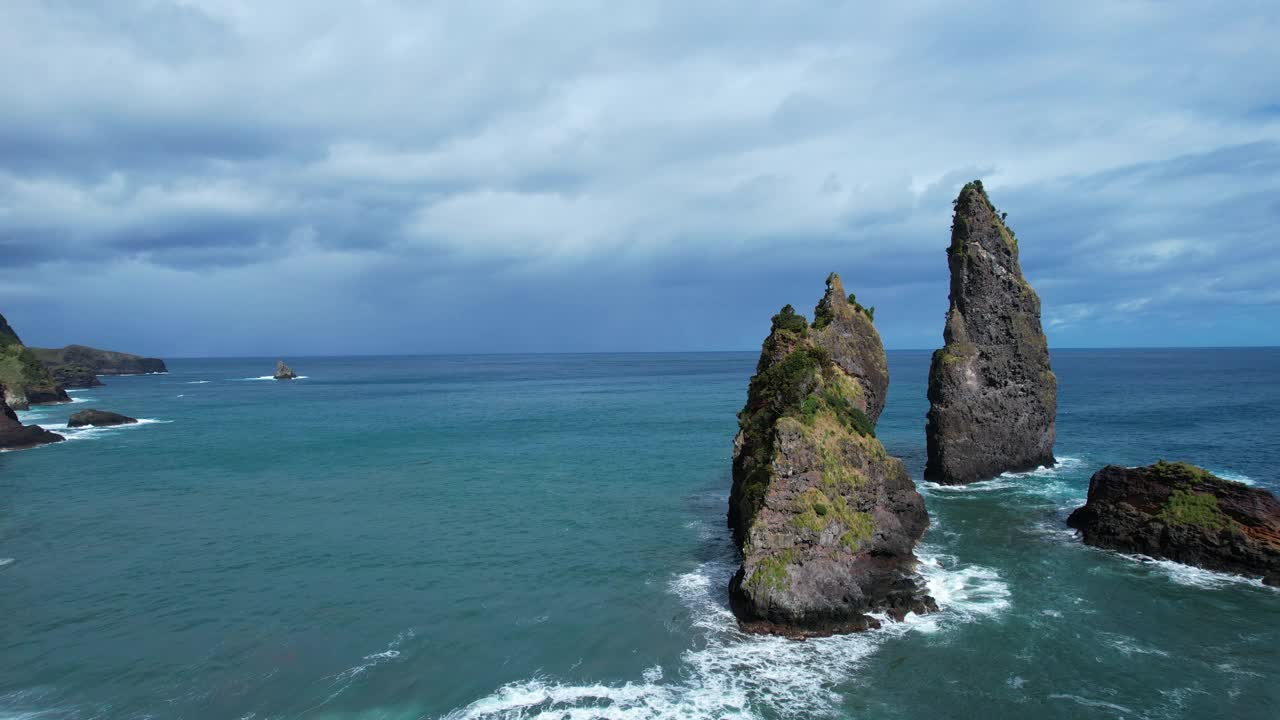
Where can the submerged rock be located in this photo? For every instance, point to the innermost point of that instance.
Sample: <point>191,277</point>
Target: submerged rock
<point>98,418</point>
<point>827,522</point>
<point>1183,513</point>
<point>15,436</point>
<point>284,372</point>
<point>78,366</point>
<point>26,380</point>
<point>992,396</point>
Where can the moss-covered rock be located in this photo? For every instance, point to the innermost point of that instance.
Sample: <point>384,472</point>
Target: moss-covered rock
<point>826,520</point>
<point>1184,513</point>
<point>26,380</point>
<point>992,394</point>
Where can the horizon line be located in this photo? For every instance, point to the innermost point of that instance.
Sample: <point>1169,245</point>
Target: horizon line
<point>676,352</point>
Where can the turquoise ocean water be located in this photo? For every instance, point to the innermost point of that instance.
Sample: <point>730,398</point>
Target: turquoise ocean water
<point>543,537</point>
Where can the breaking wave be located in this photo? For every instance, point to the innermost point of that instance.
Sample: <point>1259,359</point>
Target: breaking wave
<point>730,674</point>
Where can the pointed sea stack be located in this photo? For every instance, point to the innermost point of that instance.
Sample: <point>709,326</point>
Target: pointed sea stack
<point>284,372</point>
<point>827,522</point>
<point>16,436</point>
<point>993,399</point>
<point>1178,511</point>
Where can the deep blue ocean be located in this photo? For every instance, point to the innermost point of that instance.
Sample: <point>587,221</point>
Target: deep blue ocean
<point>543,537</point>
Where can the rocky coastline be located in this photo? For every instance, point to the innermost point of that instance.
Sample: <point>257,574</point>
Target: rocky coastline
<point>78,366</point>
<point>16,436</point>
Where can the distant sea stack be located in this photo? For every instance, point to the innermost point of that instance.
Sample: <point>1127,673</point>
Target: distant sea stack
<point>98,418</point>
<point>993,398</point>
<point>16,436</point>
<point>1186,514</point>
<point>78,366</point>
<point>284,372</point>
<point>827,522</point>
<point>25,379</point>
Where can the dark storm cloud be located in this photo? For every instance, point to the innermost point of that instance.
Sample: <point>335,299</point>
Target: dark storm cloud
<point>399,177</point>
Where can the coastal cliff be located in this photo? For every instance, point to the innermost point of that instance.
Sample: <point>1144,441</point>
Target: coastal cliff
<point>16,436</point>
<point>25,379</point>
<point>992,395</point>
<point>827,522</point>
<point>78,366</point>
<point>1186,514</point>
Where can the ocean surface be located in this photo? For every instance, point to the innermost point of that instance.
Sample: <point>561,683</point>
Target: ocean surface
<point>543,537</point>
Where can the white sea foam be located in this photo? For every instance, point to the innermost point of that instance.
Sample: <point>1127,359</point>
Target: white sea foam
<point>271,377</point>
<point>95,433</point>
<point>1192,576</point>
<point>197,382</point>
<point>1087,702</point>
<point>1129,646</point>
<point>5,561</point>
<point>730,674</point>
<point>1237,477</point>
<point>1029,481</point>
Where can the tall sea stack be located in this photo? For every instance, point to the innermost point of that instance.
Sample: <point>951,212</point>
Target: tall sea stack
<point>827,522</point>
<point>993,398</point>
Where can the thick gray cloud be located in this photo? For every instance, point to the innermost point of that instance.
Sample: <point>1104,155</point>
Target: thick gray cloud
<point>242,177</point>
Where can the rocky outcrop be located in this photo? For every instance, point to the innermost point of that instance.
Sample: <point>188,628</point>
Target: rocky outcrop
<point>78,366</point>
<point>1183,513</point>
<point>16,436</point>
<point>284,372</point>
<point>98,418</point>
<point>26,380</point>
<point>827,522</point>
<point>992,396</point>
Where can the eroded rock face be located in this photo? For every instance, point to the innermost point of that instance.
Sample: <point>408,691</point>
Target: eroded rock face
<point>1183,513</point>
<point>16,436</point>
<point>826,520</point>
<point>98,418</point>
<point>284,372</point>
<point>26,380</point>
<point>993,397</point>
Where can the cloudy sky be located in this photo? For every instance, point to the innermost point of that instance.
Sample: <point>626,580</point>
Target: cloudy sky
<point>235,177</point>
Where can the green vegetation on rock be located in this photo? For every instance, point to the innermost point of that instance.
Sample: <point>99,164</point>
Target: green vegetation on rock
<point>771,572</point>
<point>1182,472</point>
<point>1192,508</point>
<point>788,320</point>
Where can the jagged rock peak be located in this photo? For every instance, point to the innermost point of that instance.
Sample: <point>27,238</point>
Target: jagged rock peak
<point>284,372</point>
<point>992,394</point>
<point>826,520</point>
<point>846,329</point>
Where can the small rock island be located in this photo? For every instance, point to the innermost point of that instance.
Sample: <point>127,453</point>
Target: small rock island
<point>1180,512</point>
<point>98,418</point>
<point>16,436</point>
<point>284,372</point>
<point>827,522</point>
<point>992,396</point>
